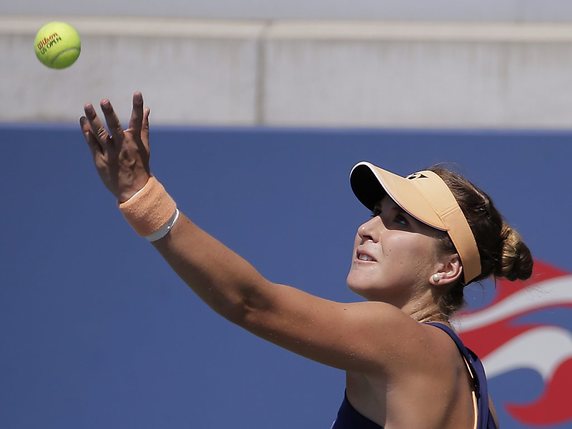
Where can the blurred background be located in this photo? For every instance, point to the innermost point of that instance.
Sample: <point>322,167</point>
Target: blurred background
<point>259,111</point>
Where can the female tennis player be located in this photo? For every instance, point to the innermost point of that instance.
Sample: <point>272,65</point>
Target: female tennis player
<point>430,234</point>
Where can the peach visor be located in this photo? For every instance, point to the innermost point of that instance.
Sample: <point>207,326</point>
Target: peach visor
<point>426,197</point>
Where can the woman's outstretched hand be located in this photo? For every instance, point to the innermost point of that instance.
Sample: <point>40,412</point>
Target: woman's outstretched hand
<point>121,156</point>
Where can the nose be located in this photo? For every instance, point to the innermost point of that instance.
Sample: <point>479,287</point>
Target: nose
<point>371,229</point>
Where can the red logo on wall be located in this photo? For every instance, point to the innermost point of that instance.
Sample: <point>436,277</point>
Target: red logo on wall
<point>528,325</point>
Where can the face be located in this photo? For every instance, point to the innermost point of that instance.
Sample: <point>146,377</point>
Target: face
<point>394,255</point>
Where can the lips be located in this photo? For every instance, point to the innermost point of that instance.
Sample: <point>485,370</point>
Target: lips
<point>364,256</point>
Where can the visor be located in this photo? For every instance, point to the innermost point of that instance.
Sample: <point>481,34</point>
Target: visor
<point>426,197</point>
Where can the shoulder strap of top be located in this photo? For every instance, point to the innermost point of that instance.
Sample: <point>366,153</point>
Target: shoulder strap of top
<point>485,419</point>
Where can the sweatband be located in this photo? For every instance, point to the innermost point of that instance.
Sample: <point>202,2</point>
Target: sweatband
<point>165,229</point>
<point>151,211</point>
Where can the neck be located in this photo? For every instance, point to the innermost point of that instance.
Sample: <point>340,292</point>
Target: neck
<point>425,310</point>
<point>423,317</point>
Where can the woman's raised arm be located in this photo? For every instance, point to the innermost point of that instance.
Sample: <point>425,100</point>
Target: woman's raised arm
<point>336,334</point>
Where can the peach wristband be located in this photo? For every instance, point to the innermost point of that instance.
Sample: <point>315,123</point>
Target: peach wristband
<point>150,210</point>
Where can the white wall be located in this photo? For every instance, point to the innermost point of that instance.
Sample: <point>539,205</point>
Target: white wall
<point>318,73</point>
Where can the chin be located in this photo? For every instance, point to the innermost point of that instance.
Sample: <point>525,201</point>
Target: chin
<point>374,289</point>
<point>362,288</point>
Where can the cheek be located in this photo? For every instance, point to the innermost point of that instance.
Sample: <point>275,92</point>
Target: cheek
<point>399,244</point>
<point>411,250</point>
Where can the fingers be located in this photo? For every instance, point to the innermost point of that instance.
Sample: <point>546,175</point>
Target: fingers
<point>145,129</point>
<point>139,122</point>
<point>97,129</point>
<point>136,121</point>
<point>96,134</point>
<point>90,138</point>
<point>112,121</point>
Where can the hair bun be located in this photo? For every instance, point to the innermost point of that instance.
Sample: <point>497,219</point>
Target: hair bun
<point>516,260</point>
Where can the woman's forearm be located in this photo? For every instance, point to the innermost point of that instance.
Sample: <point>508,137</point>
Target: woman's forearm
<point>225,281</point>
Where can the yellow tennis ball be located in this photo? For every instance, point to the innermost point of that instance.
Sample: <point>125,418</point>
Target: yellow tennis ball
<point>57,45</point>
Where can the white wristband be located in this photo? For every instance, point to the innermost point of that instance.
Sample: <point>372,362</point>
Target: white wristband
<point>164,230</point>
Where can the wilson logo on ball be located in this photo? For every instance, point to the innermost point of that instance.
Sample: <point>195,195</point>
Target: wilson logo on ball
<point>47,42</point>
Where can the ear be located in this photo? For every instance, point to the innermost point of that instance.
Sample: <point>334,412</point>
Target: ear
<point>448,271</point>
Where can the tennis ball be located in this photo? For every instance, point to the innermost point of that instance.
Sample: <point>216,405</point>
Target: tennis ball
<point>57,45</point>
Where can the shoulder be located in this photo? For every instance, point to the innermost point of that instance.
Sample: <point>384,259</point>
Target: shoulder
<point>404,345</point>
<point>423,349</point>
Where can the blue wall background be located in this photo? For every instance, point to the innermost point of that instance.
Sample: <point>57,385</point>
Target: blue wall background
<point>96,331</point>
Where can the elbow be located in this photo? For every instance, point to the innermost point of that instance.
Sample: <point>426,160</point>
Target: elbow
<point>247,309</point>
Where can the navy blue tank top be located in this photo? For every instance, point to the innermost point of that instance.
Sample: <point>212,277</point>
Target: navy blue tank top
<point>349,418</point>
<point>485,419</point>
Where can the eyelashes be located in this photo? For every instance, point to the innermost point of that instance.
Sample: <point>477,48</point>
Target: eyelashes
<point>398,218</point>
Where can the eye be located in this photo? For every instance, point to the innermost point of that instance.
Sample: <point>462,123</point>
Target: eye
<point>375,212</point>
<point>401,219</point>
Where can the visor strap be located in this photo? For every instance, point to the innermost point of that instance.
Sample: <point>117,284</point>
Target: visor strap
<point>464,241</point>
<point>444,204</point>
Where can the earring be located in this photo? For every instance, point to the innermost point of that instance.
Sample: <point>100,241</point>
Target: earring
<point>436,278</point>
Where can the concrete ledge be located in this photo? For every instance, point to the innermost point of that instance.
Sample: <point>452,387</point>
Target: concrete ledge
<point>300,30</point>
<point>298,73</point>
<point>420,31</point>
<point>141,27</point>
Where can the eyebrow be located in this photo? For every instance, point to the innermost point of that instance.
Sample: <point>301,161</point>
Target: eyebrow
<point>394,206</point>
<point>414,222</point>
<point>380,201</point>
